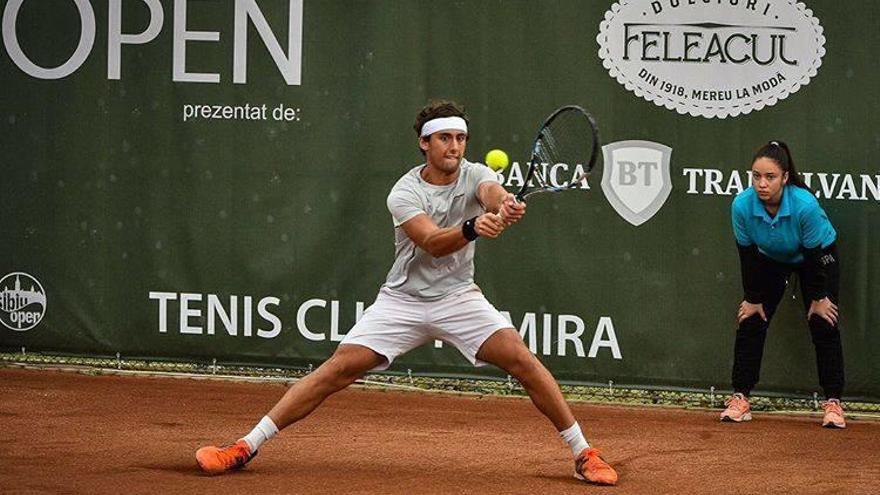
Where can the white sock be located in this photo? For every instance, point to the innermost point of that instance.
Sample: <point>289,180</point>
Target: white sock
<point>575,439</point>
<point>264,430</point>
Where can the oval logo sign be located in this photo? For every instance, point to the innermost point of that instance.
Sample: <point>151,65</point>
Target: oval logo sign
<point>711,58</point>
<point>22,301</point>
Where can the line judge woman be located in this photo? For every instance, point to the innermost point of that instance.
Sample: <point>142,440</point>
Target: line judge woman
<point>781,229</point>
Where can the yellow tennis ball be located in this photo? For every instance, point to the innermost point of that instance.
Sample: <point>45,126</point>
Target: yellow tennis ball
<point>497,160</point>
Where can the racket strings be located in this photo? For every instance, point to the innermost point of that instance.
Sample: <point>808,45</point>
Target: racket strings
<point>538,174</point>
<point>563,141</point>
<point>570,145</point>
<point>569,137</point>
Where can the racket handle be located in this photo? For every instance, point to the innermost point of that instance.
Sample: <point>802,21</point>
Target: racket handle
<point>516,199</point>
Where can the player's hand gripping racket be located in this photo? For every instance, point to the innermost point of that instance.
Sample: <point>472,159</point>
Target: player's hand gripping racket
<point>569,136</point>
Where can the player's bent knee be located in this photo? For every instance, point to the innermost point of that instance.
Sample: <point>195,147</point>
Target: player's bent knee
<point>525,367</point>
<point>342,369</point>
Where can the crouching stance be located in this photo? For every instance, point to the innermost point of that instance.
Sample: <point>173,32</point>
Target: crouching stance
<point>439,209</point>
<point>780,229</point>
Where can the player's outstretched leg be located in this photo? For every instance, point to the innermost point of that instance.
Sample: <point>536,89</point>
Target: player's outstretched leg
<point>348,363</point>
<point>506,350</point>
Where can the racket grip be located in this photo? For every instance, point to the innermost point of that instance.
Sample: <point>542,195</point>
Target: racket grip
<point>516,199</point>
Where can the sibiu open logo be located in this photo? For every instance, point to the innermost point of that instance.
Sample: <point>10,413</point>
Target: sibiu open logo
<point>22,301</point>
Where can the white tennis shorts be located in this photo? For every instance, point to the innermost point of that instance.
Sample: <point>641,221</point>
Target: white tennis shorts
<point>397,323</point>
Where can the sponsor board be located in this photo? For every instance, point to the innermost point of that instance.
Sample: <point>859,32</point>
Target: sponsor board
<point>247,15</point>
<point>319,320</point>
<point>711,58</point>
<point>636,178</point>
<point>22,301</point>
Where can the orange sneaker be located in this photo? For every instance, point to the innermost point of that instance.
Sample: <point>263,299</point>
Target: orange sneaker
<point>216,460</point>
<point>833,414</point>
<point>738,409</point>
<point>589,466</point>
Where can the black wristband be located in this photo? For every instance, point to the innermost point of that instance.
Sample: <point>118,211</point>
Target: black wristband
<point>469,230</point>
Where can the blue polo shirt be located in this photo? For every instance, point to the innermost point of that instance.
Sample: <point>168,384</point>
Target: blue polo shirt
<point>799,224</point>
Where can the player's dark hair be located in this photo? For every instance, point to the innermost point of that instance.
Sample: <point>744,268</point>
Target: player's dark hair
<point>438,109</point>
<point>778,152</point>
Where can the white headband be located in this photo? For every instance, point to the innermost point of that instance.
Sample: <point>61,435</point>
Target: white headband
<point>444,124</point>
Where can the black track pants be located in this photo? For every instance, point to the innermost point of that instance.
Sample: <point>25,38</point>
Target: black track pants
<point>750,336</point>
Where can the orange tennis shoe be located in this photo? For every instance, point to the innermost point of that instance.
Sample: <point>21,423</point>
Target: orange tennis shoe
<point>217,460</point>
<point>589,466</point>
<point>833,414</point>
<point>738,409</point>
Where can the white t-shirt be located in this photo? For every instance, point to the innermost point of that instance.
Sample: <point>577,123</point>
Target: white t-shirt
<point>415,272</point>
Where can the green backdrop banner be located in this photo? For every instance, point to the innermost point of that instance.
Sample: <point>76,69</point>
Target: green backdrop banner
<point>207,179</point>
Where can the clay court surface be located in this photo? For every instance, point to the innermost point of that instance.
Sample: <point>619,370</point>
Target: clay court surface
<point>67,432</point>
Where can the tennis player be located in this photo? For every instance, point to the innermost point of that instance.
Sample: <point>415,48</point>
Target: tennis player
<point>780,229</point>
<point>439,208</point>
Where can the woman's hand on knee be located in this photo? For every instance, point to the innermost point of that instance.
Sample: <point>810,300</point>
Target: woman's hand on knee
<point>747,310</point>
<point>824,308</point>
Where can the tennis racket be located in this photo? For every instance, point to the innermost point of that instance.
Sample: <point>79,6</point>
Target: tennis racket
<point>569,136</point>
